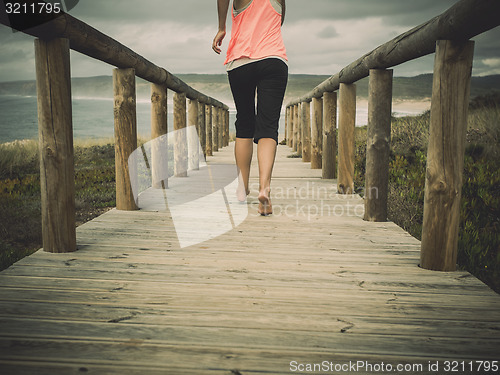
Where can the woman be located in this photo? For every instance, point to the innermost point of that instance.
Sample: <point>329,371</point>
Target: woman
<point>256,62</point>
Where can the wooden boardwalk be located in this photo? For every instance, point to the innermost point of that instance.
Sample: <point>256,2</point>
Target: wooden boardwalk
<point>312,283</point>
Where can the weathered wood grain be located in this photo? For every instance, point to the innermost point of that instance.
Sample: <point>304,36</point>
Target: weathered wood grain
<point>445,155</point>
<point>329,156</point>
<point>159,131</point>
<point>347,123</point>
<point>378,145</point>
<point>181,157</point>
<point>269,291</point>
<point>55,134</point>
<point>209,129</point>
<point>317,133</point>
<point>193,139</point>
<point>125,119</point>
<point>305,125</point>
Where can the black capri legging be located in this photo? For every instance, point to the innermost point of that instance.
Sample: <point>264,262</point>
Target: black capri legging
<point>269,78</point>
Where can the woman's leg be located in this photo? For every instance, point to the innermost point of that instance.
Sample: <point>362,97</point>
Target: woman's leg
<point>243,151</point>
<point>266,154</point>
<point>243,87</point>
<point>273,77</point>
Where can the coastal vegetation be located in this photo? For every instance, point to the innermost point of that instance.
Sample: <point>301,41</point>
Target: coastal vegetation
<point>20,217</point>
<point>479,235</point>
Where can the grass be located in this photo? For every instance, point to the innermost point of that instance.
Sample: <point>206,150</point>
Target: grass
<point>20,217</point>
<point>479,236</point>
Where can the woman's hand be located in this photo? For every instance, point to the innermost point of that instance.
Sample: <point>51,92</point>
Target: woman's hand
<point>218,41</point>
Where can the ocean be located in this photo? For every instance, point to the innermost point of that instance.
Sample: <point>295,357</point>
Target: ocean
<point>93,117</point>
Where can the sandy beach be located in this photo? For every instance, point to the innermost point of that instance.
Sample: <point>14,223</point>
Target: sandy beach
<point>400,107</point>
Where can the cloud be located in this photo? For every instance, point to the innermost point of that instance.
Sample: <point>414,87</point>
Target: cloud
<point>492,62</point>
<point>327,33</point>
<point>322,36</point>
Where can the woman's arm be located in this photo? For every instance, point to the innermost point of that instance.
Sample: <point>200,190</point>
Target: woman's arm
<point>222,8</point>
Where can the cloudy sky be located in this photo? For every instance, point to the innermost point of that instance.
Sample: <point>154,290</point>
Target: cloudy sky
<point>322,36</point>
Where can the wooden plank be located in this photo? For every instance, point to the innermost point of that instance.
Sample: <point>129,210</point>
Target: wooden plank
<point>362,290</point>
<point>111,283</point>
<point>293,321</point>
<point>221,360</point>
<point>41,367</point>
<point>223,337</point>
<point>243,356</point>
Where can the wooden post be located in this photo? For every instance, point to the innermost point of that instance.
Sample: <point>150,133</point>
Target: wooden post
<point>289,132</point>
<point>215,129</point>
<point>159,130</point>
<point>347,123</point>
<point>287,125</point>
<point>445,156</point>
<point>378,145</point>
<point>329,156</point>
<point>202,128</point>
<point>208,125</point>
<point>317,133</point>
<point>180,136</point>
<point>193,140</point>
<point>305,120</point>
<point>296,127</point>
<point>55,130</point>
<point>221,127</point>
<point>125,137</point>
<point>227,126</point>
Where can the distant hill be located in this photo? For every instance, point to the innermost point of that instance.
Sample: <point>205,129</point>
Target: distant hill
<point>217,86</point>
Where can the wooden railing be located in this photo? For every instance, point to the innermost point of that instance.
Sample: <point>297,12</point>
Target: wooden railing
<point>448,35</point>
<point>57,35</point>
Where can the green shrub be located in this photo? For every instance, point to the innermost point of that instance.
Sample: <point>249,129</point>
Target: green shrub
<point>479,235</point>
<point>20,217</point>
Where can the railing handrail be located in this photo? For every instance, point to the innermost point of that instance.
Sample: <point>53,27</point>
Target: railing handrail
<point>462,21</point>
<point>91,42</point>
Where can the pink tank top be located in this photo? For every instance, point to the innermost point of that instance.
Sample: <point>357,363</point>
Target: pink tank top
<point>256,33</point>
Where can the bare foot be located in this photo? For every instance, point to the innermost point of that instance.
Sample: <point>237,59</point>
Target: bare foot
<point>241,193</point>
<point>265,207</point>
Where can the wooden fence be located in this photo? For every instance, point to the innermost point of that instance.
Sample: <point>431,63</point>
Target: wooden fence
<point>56,37</point>
<point>448,36</point>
